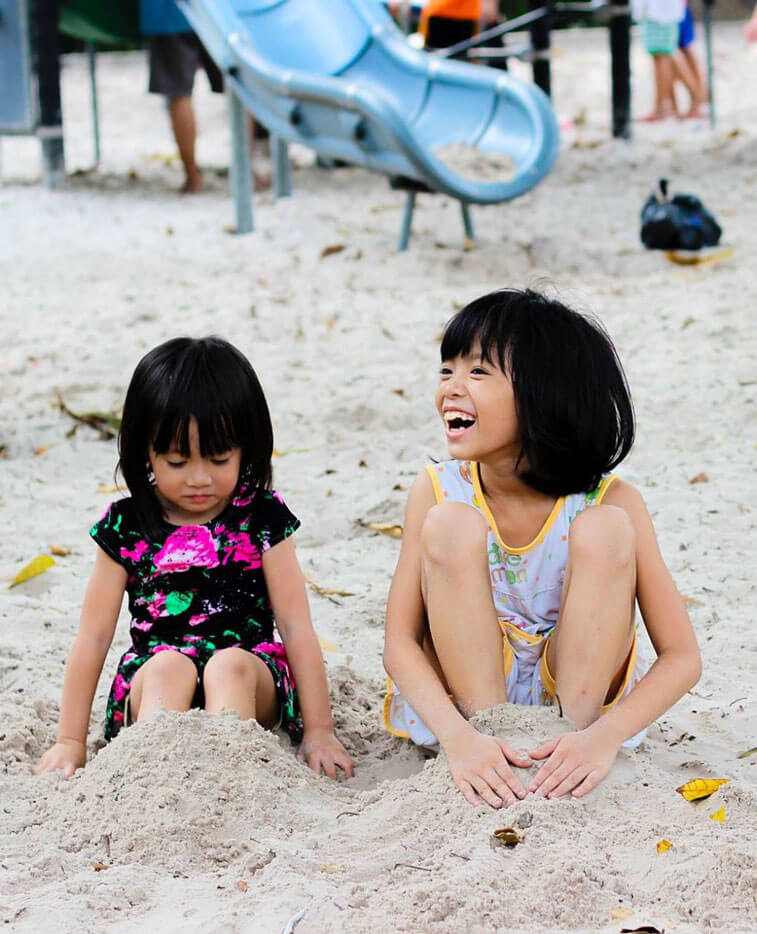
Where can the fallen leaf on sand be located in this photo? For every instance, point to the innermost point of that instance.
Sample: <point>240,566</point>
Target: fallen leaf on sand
<point>507,836</point>
<point>110,488</point>
<point>663,846</point>
<point>620,913</point>
<point>386,528</point>
<point>700,478</point>
<point>59,551</point>
<point>40,451</point>
<point>719,815</point>
<point>326,645</point>
<point>242,885</point>
<point>98,866</point>
<point>331,250</point>
<point>328,592</point>
<point>696,259</point>
<point>36,566</point>
<point>691,601</point>
<point>699,788</point>
<point>747,753</point>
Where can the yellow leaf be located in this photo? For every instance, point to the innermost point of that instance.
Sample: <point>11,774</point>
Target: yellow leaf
<point>747,753</point>
<point>700,788</point>
<point>719,815</point>
<point>327,646</point>
<point>328,592</point>
<point>37,566</point>
<point>386,528</point>
<point>620,914</point>
<point>105,488</point>
<point>696,259</point>
<point>663,845</point>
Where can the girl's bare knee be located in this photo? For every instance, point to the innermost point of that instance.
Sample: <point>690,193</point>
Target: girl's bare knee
<point>451,530</point>
<point>168,666</point>
<point>227,666</point>
<point>603,535</point>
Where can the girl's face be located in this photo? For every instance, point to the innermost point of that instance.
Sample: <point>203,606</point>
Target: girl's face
<point>194,489</point>
<point>476,402</point>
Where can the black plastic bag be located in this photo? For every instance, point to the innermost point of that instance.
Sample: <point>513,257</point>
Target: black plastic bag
<point>681,223</point>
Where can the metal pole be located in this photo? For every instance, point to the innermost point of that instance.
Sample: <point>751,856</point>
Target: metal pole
<point>282,170</point>
<point>50,130</point>
<point>707,7</point>
<point>540,43</point>
<point>620,58</point>
<point>407,220</point>
<point>241,167</point>
<point>92,60</point>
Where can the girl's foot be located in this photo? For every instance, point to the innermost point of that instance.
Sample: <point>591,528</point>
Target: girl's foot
<point>192,184</point>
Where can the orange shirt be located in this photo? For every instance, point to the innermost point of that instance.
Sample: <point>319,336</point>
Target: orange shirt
<point>453,9</point>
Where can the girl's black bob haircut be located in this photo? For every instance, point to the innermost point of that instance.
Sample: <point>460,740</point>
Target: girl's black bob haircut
<point>206,379</point>
<point>571,396</point>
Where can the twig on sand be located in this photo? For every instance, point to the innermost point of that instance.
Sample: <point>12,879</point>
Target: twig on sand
<point>104,422</point>
<point>289,926</point>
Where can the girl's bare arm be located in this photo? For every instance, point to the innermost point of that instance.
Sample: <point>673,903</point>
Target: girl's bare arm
<point>286,588</point>
<point>99,616</point>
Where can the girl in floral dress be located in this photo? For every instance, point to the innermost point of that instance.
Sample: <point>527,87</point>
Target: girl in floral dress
<point>203,548</point>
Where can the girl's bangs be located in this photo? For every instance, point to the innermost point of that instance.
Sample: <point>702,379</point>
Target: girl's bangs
<point>205,403</point>
<point>487,327</point>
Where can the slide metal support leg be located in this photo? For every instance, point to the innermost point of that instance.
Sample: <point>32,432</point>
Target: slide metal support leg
<point>282,169</point>
<point>92,60</point>
<point>407,221</point>
<point>241,167</point>
<point>470,231</point>
<point>620,58</point>
<point>50,130</point>
<point>540,43</point>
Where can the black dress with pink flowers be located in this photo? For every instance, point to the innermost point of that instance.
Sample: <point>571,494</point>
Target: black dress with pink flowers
<point>197,589</point>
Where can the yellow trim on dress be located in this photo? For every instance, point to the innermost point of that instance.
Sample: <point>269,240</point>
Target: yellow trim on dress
<point>432,471</point>
<point>387,706</point>
<point>549,682</point>
<point>604,486</point>
<point>549,522</point>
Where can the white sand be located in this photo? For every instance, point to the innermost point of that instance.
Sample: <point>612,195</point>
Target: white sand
<point>212,824</point>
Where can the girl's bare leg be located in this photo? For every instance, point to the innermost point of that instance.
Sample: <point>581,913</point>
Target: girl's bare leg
<point>591,642</point>
<point>462,620</point>
<point>235,679</point>
<point>166,682</point>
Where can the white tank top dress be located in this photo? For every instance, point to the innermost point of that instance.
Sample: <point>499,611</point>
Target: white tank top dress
<point>527,587</point>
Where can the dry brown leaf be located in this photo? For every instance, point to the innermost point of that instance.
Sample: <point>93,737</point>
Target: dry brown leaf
<point>700,478</point>
<point>691,601</point>
<point>386,528</point>
<point>696,259</point>
<point>110,488</point>
<point>700,788</point>
<point>98,866</point>
<point>331,250</point>
<point>620,913</point>
<point>60,551</point>
<point>39,451</point>
<point>328,592</point>
<point>242,885</point>
<point>507,836</point>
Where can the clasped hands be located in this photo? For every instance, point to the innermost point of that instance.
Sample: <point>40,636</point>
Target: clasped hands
<point>575,763</point>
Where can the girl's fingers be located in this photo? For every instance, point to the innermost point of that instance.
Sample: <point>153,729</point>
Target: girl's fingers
<point>505,772</point>
<point>546,749</point>
<point>573,778</point>
<point>588,784</point>
<point>468,792</point>
<point>485,792</point>
<point>513,756</point>
<point>501,785</point>
<point>554,773</point>
<point>345,763</point>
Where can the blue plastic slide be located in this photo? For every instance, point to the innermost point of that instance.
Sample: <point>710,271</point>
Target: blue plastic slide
<point>339,77</point>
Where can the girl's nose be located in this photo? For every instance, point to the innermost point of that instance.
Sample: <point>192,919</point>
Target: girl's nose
<point>199,476</point>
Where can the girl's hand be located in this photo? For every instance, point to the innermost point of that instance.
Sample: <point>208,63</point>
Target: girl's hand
<point>577,763</point>
<point>67,755</point>
<point>480,768</point>
<point>323,753</point>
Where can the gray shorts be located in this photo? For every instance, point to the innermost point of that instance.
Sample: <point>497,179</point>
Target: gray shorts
<point>174,59</point>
